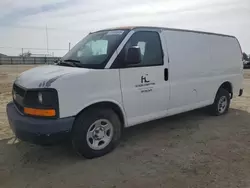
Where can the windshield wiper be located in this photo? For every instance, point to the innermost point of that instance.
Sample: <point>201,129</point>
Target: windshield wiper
<point>76,63</point>
<point>70,62</point>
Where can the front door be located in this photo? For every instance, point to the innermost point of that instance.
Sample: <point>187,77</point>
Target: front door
<point>145,86</point>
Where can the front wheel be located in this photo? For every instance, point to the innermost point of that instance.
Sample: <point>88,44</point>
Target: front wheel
<point>221,103</point>
<point>96,131</point>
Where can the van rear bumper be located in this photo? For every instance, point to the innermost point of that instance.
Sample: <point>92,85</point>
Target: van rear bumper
<point>37,130</point>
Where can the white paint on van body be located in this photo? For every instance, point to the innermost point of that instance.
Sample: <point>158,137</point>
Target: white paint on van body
<point>197,63</point>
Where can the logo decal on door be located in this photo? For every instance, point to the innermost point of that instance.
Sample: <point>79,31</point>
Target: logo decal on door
<point>144,79</point>
<point>146,85</point>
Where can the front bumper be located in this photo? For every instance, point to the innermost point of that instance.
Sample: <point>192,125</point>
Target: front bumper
<point>37,130</point>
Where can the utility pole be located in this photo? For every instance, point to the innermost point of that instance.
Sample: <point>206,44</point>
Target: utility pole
<point>69,45</point>
<point>47,39</point>
<point>22,52</point>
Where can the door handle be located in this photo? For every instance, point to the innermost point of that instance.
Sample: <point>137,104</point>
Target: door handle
<point>166,74</point>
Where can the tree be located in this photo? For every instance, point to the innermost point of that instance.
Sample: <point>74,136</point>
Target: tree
<point>26,54</point>
<point>245,56</point>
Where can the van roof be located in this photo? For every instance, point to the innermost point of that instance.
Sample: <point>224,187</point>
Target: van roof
<point>164,28</point>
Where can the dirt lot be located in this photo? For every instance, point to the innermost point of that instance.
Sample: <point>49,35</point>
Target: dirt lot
<point>188,150</point>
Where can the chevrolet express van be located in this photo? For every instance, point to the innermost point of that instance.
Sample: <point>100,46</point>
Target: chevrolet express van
<point>117,78</point>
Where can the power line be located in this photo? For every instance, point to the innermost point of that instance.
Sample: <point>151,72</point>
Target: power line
<point>18,48</point>
<point>41,28</point>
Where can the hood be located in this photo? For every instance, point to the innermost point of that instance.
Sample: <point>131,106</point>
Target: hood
<point>44,76</point>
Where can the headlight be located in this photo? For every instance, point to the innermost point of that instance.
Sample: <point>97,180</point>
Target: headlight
<point>41,102</point>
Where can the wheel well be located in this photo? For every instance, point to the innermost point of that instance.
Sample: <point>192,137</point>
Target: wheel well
<point>228,86</point>
<point>110,105</point>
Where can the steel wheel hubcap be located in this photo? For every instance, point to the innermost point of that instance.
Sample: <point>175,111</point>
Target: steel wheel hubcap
<point>222,104</point>
<point>100,134</point>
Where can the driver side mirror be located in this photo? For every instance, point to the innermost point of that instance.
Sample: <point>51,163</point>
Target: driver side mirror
<point>133,56</point>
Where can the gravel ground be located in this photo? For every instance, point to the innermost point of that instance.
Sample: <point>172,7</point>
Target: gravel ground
<point>188,150</point>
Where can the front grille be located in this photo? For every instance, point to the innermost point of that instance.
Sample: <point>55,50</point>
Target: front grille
<point>18,90</point>
<point>19,94</point>
<point>29,98</point>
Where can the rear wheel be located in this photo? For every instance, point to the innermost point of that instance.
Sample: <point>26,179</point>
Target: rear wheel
<point>221,103</point>
<point>96,131</point>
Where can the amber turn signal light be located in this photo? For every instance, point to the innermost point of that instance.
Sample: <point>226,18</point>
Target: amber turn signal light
<point>40,112</point>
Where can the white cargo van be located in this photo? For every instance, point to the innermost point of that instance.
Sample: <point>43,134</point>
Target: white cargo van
<point>121,77</point>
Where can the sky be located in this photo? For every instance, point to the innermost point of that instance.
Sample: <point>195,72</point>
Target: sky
<point>23,22</point>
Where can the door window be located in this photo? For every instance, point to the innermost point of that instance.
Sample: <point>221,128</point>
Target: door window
<point>150,47</point>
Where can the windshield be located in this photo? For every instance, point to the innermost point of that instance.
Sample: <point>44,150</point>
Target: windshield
<point>95,50</point>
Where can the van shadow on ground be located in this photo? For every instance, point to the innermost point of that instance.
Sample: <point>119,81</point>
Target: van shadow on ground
<point>26,152</point>
<point>27,157</point>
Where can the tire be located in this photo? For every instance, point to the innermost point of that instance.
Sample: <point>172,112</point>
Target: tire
<point>219,107</point>
<point>86,134</point>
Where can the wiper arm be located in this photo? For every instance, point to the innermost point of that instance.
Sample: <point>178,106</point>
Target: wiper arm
<point>66,63</point>
<point>72,61</point>
<point>76,63</point>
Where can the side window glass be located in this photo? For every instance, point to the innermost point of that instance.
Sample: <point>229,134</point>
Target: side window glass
<point>150,47</point>
<point>142,45</point>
